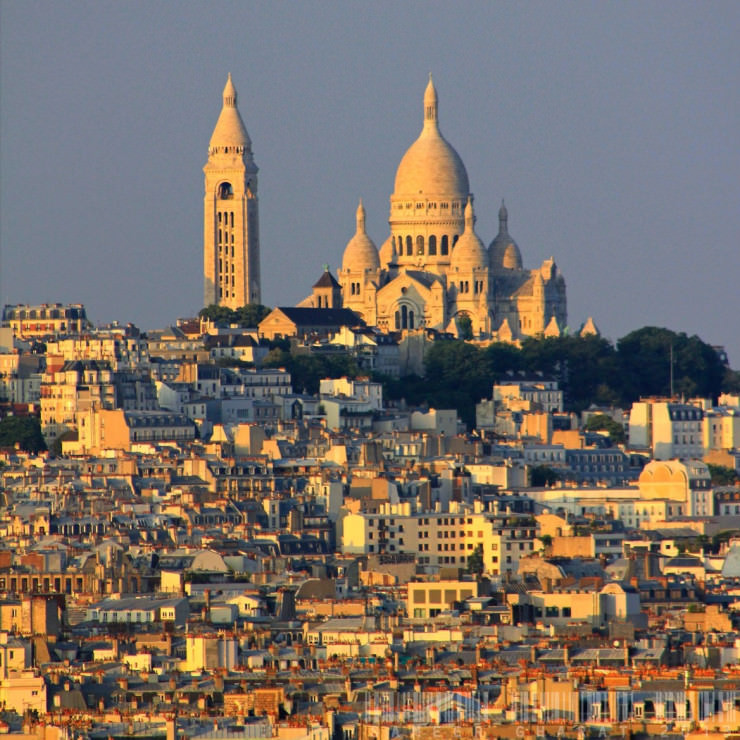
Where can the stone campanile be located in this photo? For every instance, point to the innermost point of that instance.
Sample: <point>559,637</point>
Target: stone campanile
<point>231,243</point>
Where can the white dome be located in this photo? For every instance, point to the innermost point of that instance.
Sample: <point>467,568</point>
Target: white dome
<point>388,254</point>
<point>469,252</point>
<point>431,166</point>
<point>503,251</point>
<point>360,254</point>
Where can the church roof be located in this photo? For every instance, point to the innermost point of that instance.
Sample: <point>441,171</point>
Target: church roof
<point>425,278</point>
<point>327,280</point>
<point>302,316</point>
<point>230,130</point>
<point>431,166</point>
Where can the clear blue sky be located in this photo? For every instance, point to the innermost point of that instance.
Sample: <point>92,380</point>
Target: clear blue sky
<point>611,129</point>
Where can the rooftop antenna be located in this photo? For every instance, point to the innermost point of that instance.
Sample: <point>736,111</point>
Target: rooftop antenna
<point>671,370</point>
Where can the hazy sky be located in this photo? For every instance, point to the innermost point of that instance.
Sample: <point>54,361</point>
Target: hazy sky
<point>611,129</point>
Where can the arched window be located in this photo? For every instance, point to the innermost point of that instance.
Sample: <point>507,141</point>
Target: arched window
<point>225,191</point>
<point>400,246</point>
<point>454,239</point>
<point>409,246</point>
<point>398,320</point>
<point>432,245</point>
<point>445,245</point>
<point>419,244</point>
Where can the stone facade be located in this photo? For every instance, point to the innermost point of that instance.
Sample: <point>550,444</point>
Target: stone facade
<point>433,271</point>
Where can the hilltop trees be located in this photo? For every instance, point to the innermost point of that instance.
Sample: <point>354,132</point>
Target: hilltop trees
<point>590,370</point>
<point>645,358</point>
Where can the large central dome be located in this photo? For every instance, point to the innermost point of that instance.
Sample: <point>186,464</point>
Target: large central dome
<point>431,167</point>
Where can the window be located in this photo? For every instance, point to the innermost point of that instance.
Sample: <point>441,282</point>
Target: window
<point>432,245</point>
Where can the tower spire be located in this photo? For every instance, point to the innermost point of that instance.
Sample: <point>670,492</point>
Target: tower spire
<point>360,218</point>
<point>430,104</point>
<point>229,93</point>
<point>503,218</point>
<point>469,215</point>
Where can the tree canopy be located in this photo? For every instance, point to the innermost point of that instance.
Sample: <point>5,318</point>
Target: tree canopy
<point>590,370</point>
<point>604,423</point>
<point>24,431</point>
<point>306,370</point>
<point>248,316</point>
<point>723,475</point>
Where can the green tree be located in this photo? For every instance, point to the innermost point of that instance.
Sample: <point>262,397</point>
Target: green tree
<point>651,356</point>
<point>307,370</point>
<point>722,475</point>
<point>24,431</point>
<point>731,381</point>
<point>585,367</point>
<point>543,476</point>
<point>475,561</point>
<point>604,423</point>
<point>465,327</point>
<point>247,316</point>
<point>214,312</point>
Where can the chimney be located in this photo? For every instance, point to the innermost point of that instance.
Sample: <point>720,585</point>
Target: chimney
<point>430,656</point>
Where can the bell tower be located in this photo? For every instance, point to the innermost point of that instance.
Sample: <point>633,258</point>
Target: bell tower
<point>231,245</point>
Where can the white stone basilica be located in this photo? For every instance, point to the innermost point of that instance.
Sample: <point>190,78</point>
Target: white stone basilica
<point>433,269</point>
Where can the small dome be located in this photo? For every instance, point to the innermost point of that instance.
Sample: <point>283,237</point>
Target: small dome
<point>431,166</point>
<point>230,130</point>
<point>388,254</point>
<point>360,254</point>
<point>503,251</point>
<point>469,252</point>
